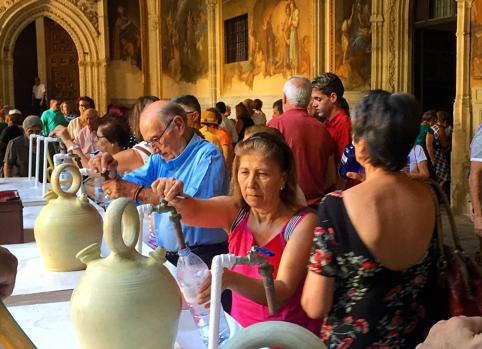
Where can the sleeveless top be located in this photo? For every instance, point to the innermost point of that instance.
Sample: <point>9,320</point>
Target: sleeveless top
<point>247,312</point>
<point>373,307</point>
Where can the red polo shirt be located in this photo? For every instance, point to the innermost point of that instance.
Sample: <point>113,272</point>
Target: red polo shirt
<point>339,128</point>
<point>312,146</point>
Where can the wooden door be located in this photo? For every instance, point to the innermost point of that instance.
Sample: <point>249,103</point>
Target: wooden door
<point>62,64</point>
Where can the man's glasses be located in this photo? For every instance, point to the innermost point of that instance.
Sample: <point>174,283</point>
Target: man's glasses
<point>155,140</point>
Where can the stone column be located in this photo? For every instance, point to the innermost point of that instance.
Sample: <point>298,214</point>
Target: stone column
<point>462,109</point>
<point>153,53</point>
<point>213,50</point>
<point>41,52</point>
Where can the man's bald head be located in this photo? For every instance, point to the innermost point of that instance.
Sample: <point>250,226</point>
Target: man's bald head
<point>163,111</point>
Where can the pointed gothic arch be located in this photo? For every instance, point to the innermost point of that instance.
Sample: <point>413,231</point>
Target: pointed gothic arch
<point>85,35</point>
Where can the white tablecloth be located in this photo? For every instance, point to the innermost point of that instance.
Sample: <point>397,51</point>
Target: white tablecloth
<point>48,324</point>
<point>30,194</point>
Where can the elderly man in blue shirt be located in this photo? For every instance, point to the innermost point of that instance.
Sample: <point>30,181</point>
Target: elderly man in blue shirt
<point>177,153</point>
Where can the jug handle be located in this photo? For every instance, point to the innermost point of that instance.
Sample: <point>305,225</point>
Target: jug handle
<point>76,180</point>
<point>121,226</point>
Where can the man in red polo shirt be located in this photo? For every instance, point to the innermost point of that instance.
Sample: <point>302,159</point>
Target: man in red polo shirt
<point>326,96</point>
<point>313,148</point>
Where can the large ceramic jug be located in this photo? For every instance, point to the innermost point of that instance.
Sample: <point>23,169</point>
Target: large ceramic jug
<point>125,300</point>
<point>67,224</point>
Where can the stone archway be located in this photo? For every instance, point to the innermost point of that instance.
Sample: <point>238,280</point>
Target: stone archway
<point>80,21</point>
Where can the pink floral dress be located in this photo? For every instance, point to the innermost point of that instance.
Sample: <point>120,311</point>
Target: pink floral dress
<point>373,307</point>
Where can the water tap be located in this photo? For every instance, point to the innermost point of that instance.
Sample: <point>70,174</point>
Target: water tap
<point>175,217</point>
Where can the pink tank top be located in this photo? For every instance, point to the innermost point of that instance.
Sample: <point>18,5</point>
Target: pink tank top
<point>247,312</point>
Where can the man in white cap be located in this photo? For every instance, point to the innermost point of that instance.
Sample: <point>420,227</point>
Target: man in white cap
<point>16,156</point>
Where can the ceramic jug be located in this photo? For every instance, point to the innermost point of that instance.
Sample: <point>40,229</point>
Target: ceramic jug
<point>67,224</point>
<point>125,300</point>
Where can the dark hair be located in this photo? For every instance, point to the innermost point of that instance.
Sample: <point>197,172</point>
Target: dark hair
<point>258,104</point>
<point>115,129</point>
<point>221,106</point>
<point>273,147</point>
<point>429,115</point>
<point>242,111</point>
<point>329,83</point>
<point>443,116</point>
<point>345,106</point>
<point>388,124</point>
<point>219,116</point>
<point>188,101</point>
<point>135,114</point>
<point>17,119</point>
<point>278,104</point>
<point>88,100</point>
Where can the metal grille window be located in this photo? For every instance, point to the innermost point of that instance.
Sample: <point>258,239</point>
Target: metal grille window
<point>236,39</point>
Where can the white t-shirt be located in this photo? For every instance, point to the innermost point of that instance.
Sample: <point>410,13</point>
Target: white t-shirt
<point>416,156</point>
<point>38,91</point>
<point>476,146</point>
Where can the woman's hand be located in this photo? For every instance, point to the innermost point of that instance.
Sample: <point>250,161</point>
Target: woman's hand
<point>356,176</point>
<point>457,332</point>
<point>204,291</point>
<point>63,133</point>
<point>103,163</point>
<point>168,188</point>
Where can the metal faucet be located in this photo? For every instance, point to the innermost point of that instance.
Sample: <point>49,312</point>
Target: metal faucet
<point>175,217</point>
<point>266,270</point>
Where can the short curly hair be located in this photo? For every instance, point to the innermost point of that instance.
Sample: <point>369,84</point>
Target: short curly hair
<point>388,124</point>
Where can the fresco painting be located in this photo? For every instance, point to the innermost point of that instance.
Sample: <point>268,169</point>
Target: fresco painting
<point>124,32</point>
<point>476,30</point>
<point>279,42</point>
<point>184,40</point>
<point>352,38</point>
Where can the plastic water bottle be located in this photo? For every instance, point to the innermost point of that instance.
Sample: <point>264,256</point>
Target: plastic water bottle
<point>348,162</point>
<point>100,197</point>
<point>191,272</point>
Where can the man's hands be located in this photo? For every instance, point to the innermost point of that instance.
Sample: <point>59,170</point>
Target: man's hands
<point>168,188</point>
<point>8,272</point>
<point>103,163</point>
<point>457,332</point>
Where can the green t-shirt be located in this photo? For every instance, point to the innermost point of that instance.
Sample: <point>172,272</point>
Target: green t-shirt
<point>422,134</point>
<point>50,119</point>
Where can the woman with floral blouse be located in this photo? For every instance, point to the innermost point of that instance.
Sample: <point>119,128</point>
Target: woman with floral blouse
<point>372,256</point>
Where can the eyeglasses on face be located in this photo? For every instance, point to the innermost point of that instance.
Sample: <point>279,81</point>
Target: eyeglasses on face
<point>156,139</point>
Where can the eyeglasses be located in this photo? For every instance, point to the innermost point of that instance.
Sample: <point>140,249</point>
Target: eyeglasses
<point>156,140</point>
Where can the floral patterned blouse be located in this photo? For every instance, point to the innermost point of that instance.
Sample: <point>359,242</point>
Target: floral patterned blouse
<point>373,307</point>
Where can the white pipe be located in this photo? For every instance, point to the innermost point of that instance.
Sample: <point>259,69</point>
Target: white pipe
<point>30,146</point>
<point>217,269</point>
<point>143,210</point>
<point>47,140</point>
<point>37,160</point>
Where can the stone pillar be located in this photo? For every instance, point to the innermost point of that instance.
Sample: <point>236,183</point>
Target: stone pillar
<point>153,53</point>
<point>213,49</point>
<point>319,20</point>
<point>41,52</point>
<point>378,58</point>
<point>462,109</point>
<point>102,94</point>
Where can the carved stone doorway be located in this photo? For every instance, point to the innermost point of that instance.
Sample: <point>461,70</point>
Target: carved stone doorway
<point>62,63</point>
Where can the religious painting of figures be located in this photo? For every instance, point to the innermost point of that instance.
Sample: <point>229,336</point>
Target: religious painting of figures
<point>476,30</point>
<point>279,43</point>
<point>353,42</point>
<point>124,32</point>
<point>184,40</point>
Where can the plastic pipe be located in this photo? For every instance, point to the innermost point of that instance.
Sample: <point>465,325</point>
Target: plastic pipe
<point>143,210</point>
<point>217,269</point>
<point>30,145</point>
<point>46,140</point>
<point>37,160</point>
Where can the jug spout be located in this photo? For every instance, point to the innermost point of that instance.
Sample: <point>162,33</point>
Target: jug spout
<point>158,256</point>
<point>89,254</point>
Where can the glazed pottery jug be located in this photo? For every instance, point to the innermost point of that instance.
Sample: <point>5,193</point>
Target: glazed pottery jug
<point>67,224</point>
<point>125,300</point>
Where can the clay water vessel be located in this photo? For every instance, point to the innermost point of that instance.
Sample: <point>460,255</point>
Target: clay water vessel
<point>125,300</point>
<point>67,224</point>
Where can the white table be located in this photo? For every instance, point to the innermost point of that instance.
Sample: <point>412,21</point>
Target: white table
<point>30,194</point>
<point>40,303</point>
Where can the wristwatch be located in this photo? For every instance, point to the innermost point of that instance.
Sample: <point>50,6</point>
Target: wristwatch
<point>72,148</point>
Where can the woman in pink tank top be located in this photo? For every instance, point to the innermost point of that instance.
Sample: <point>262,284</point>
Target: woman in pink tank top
<point>264,210</point>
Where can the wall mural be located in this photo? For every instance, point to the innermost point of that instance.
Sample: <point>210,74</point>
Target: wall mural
<point>279,41</point>
<point>184,40</point>
<point>352,37</point>
<point>477,41</point>
<point>124,33</point>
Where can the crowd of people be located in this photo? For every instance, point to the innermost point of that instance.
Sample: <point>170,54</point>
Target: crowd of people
<point>348,264</point>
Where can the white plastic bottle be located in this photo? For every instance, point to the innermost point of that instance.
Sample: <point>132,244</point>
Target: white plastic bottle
<point>191,272</point>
